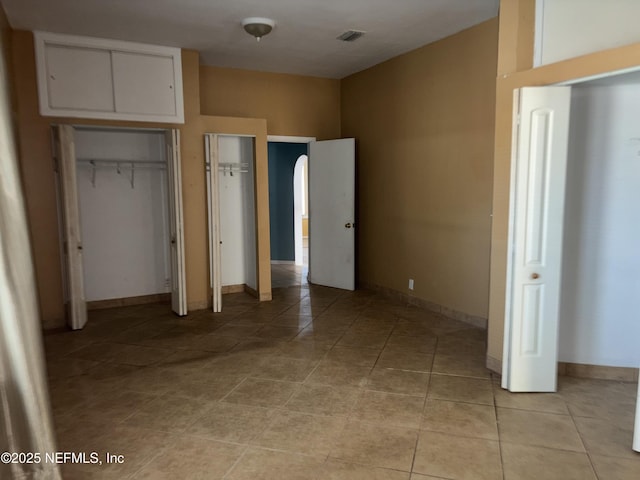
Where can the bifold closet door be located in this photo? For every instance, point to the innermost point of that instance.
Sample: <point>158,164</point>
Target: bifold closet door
<point>176,225</point>
<point>536,224</point>
<point>76,305</point>
<point>636,430</point>
<point>213,209</point>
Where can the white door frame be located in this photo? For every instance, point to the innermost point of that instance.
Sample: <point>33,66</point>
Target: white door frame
<point>299,172</point>
<point>289,139</point>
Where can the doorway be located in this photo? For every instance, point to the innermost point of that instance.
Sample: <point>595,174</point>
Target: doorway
<point>231,215</point>
<point>120,205</point>
<point>288,210</point>
<point>592,322</point>
<point>331,206</point>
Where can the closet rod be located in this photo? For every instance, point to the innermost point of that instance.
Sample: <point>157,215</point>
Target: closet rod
<point>108,161</point>
<point>231,167</point>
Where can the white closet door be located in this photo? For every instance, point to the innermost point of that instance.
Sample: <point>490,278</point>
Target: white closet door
<point>636,431</point>
<point>176,228</point>
<point>332,213</point>
<point>71,231</point>
<point>213,209</point>
<point>538,172</point>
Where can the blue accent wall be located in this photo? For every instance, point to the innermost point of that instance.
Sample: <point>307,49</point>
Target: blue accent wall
<point>282,161</point>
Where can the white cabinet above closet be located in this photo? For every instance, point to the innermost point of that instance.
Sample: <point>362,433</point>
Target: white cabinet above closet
<point>108,79</point>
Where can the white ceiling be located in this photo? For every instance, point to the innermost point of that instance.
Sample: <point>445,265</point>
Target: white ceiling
<point>303,41</point>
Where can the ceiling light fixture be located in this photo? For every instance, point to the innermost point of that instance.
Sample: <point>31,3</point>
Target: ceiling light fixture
<point>258,26</point>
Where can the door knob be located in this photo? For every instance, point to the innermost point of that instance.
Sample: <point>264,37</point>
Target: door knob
<point>535,276</point>
<point>347,225</point>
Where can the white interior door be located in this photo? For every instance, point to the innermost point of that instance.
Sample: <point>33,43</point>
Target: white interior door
<point>332,213</point>
<point>176,227</point>
<point>538,172</point>
<point>213,209</point>
<point>71,231</point>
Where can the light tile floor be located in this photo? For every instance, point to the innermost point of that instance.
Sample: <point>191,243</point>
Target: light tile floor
<point>319,384</point>
<point>288,275</point>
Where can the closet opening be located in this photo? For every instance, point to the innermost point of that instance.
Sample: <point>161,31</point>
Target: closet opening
<point>120,202</point>
<point>572,264</point>
<point>231,185</point>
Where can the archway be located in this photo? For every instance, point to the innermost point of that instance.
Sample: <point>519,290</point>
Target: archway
<point>300,210</point>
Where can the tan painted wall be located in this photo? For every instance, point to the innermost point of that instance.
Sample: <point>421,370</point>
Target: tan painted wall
<point>424,124</point>
<point>517,72</point>
<point>38,182</point>
<point>291,104</point>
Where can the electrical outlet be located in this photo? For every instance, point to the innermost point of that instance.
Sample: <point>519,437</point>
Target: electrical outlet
<point>411,284</point>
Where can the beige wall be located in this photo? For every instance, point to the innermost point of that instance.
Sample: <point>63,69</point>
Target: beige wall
<point>424,124</point>
<point>515,60</point>
<point>291,104</point>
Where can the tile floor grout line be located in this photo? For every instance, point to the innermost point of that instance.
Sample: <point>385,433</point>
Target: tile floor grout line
<point>583,442</point>
<point>498,430</point>
<point>234,389</point>
<point>233,466</point>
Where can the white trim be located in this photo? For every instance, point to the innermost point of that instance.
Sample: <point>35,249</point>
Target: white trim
<point>298,181</point>
<point>598,76</point>
<point>282,262</point>
<point>538,34</point>
<point>289,139</point>
<point>233,135</point>
<point>101,128</point>
<point>102,43</point>
<point>506,348</point>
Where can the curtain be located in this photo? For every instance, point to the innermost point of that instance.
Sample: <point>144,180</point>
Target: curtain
<point>25,413</point>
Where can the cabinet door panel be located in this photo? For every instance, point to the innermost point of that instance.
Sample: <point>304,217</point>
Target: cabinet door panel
<point>144,84</point>
<point>79,78</point>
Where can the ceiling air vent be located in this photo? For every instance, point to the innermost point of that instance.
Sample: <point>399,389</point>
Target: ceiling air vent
<point>351,35</point>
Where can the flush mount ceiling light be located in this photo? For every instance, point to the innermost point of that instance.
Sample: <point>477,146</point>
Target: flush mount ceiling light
<point>258,26</point>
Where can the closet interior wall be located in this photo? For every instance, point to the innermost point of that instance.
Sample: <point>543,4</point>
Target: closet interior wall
<point>122,189</point>
<point>236,187</point>
<point>601,265</point>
